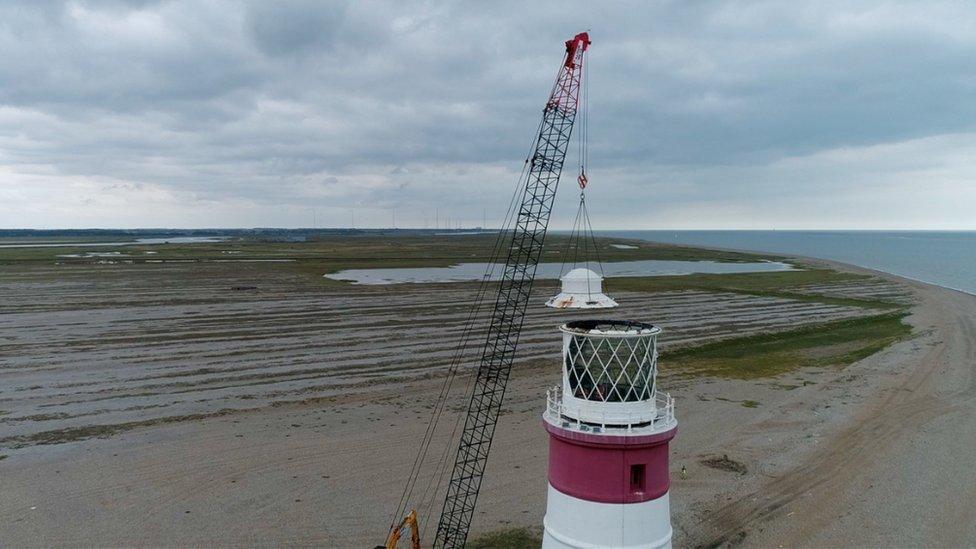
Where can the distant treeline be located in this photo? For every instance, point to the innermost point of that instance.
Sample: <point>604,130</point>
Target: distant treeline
<point>259,232</point>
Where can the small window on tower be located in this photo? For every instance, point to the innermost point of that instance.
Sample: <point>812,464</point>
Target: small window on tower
<point>637,477</point>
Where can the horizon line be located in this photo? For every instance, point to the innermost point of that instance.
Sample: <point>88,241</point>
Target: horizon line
<point>475,228</point>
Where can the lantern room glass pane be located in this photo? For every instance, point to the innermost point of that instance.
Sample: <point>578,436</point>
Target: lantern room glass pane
<point>610,369</point>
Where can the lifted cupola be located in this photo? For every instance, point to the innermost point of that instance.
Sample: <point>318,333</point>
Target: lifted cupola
<point>581,289</point>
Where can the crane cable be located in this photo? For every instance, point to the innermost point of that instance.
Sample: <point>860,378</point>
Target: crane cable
<point>581,235</point>
<point>517,197</point>
<point>432,487</point>
<point>461,347</point>
<point>459,351</point>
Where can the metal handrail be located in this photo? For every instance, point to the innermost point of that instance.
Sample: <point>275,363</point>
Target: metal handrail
<point>664,416</point>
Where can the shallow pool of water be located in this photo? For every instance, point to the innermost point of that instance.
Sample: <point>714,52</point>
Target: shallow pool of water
<point>465,272</point>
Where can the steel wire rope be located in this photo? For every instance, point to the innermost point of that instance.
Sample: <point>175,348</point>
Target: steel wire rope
<point>455,361</point>
<point>586,251</point>
<point>577,236</point>
<point>486,281</point>
<point>442,466</point>
<point>596,249</point>
<point>518,193</point>
<point>573,247</point>
<point>516,247</point>
<point>584,162</point>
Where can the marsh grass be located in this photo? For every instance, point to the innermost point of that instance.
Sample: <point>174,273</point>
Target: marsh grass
<point>782,284</point>
<point>346,252</point>
<point>513,538</point>
<point>835,344</point>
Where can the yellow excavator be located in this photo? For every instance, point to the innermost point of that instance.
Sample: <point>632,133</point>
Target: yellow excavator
<point>397,532</point>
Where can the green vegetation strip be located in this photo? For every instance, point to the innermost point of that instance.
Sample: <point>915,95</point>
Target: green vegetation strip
<point>333,253</point>
<point>835,344</point>
<point>514,538</point>
<point>73,434</point>
<point>773,284</point>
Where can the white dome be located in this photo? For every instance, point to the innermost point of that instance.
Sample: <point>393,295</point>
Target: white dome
<point>582,289</point>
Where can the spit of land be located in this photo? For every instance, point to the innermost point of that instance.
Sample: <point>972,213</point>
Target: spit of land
<point>225,393</point>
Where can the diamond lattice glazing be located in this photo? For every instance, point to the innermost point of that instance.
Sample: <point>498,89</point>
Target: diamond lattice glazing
<point>611,369</point>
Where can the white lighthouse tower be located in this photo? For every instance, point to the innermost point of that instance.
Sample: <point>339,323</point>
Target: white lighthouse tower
<point>609,430</point>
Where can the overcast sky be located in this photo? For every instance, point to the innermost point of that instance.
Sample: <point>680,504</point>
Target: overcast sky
<point>702,114</point>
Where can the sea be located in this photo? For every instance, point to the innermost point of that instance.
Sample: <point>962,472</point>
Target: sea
<point>943,258</point>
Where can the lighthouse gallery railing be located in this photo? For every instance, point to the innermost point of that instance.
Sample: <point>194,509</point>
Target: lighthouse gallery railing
<point>664,417</point>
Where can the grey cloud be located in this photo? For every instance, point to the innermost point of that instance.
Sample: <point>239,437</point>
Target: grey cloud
<point>421,105</point>
<point>283,28</point>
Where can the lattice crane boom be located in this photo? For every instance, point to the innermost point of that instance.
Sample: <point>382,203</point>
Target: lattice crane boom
<point>523,255</point>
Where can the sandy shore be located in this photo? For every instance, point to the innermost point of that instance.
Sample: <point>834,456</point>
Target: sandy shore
<point>873,454</point>
<point>892,468</point>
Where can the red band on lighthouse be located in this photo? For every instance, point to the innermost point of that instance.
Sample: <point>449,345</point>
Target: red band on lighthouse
<point>609,469</point>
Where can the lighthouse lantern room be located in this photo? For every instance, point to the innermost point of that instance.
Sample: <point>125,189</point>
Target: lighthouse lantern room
<point>609,430</point>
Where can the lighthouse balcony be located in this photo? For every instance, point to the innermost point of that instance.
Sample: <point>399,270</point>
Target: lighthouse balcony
<point>654,416</point>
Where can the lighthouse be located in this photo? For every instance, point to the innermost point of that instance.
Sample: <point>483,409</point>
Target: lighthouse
<point>609,429</point>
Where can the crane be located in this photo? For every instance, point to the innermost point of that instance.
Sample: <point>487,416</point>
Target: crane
<point>532,205</point>
<point>523,254</point>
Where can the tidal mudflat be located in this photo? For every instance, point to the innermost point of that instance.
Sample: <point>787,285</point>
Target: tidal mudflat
<point>223,403</point>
